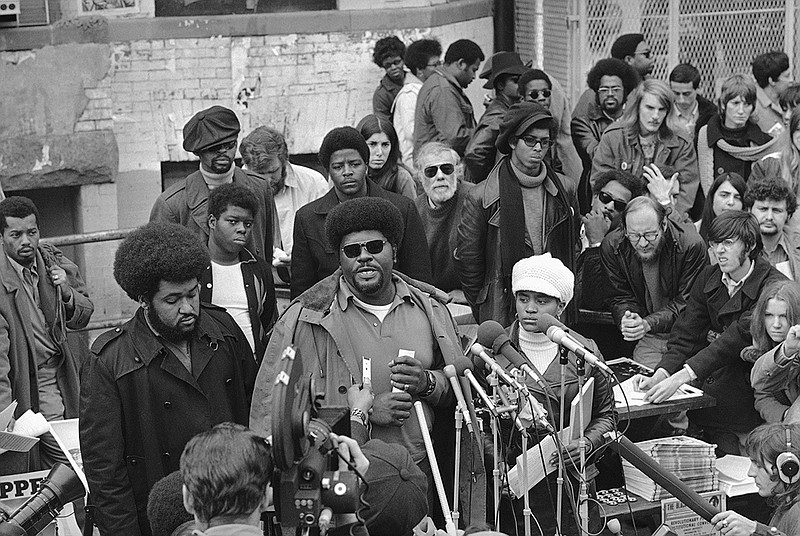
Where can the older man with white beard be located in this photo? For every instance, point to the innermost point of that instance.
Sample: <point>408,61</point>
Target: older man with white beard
<point>651,263</point>
<point>440,171</point>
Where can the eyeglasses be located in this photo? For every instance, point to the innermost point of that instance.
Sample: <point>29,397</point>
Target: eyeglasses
<point>437,63</point>
<point>431,171</point>
<point>222,148</point>
<point>534,93</point>
<point>533,141</point>
<point>650,236</point>
<point>373,247</point>
<point>726,244</point>
<point>606,198</point>
<point>386,64</point>
<point>609,89</point>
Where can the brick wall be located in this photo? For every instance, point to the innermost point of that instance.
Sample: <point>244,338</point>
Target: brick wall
<point>303,84</point>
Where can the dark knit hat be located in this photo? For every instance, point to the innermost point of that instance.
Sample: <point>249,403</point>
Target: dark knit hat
<point>364,214</point>
<point>342,138</point>
<point>398,489</point>
<point>625,45</point>
<point>519,118</point>
<point>165,509</point>
<point>210,127</point>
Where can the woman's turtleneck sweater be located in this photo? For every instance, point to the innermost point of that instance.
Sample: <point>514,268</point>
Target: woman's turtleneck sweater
<point>213,180</point>
<point>540,350</point>
<point>533,199</point>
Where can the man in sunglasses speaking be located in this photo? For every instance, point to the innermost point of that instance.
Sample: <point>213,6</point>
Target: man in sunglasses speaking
<point>523,208</point>
<point>651,263</point>
<point>367,310</point>
<point>211,135</point>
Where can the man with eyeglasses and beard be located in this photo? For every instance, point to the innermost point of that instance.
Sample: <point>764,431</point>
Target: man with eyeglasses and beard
<point>524,205</point>
<point>366,309</point>
<point>610,80</point>
<point>651,263</point>
<point>440,171</point>
<point>705,343</point>
<point>174,370</point>
<point>211,135</point>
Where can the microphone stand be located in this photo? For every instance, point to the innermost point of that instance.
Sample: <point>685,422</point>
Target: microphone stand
<point>583,495</point>
<point>526,510</point>
<point>494,384</point>
<point>563,361</point>
<point>457,469</point>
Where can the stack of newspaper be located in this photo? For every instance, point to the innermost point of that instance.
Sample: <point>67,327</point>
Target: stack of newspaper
<point>689,459</point>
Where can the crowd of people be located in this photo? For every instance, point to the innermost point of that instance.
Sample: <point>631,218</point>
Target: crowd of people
<point>663,211</point>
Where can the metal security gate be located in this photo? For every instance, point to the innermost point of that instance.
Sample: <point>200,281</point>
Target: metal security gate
<point>719,37</point>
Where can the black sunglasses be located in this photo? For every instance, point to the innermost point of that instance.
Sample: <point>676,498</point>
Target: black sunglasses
<point>606,198</point>
<point>373,247</point>
<point>447,169</point>
<point>534,94</point>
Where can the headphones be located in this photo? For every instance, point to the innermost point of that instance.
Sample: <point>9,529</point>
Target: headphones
<point>787,462</point>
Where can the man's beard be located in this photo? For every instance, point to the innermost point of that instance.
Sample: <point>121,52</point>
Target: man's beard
<point>172,334</point>
<point>772,231</point>
<point>277,186</point>
<point>653,255</point>
<point>370,287</point>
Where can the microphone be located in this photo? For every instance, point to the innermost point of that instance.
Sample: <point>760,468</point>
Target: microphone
<point>464,368</point>
<point>614,527</point>
<point>491,333</point>
<point>555,332</point>
<point>536,408</point>
<point>478,351</point>
<point>450,372</point>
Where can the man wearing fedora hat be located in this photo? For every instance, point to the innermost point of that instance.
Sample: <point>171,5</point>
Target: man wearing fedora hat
<point>538,214</point>
<point>211,134</point>
<point>502,73</point>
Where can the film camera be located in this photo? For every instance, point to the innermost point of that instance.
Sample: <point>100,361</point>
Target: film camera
<point>306,479</point>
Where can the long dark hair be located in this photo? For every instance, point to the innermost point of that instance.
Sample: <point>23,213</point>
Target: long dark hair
<point>737,181</point>
<point>386,177</point>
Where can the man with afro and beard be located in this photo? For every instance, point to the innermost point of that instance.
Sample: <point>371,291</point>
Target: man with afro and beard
<point>175,369</point>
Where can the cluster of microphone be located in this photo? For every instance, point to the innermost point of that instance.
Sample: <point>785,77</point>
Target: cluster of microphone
<point>491,335</point>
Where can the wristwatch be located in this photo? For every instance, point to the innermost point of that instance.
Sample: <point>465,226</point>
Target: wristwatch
<point>430,386</point>
<point>356,414</point>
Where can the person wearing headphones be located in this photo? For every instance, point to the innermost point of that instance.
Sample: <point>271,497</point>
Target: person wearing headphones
<point>773,450</point>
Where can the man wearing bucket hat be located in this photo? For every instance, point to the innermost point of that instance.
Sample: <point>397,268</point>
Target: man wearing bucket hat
<point>211,135</point>
<point>538,214</point>
<point>502,73</point>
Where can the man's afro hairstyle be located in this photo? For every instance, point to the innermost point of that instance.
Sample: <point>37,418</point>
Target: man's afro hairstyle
<point>158,252</point>
<point>364,214</point>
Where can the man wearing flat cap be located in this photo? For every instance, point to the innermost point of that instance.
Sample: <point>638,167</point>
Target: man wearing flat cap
<point>538,214</point>
<point>502,72</point>
<point>366,309</point>
<point>212,135</point>
<point>345,154</point>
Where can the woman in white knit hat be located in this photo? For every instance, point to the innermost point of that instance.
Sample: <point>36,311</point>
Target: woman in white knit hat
<point>542,284</point>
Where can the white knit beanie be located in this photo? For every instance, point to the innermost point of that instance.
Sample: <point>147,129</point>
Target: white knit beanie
<point>545,274</point>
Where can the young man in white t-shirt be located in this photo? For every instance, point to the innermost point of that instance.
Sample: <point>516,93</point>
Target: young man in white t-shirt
<point>238,280</point>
